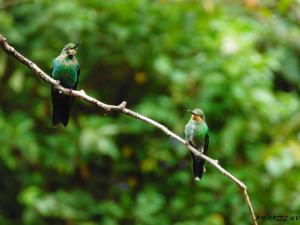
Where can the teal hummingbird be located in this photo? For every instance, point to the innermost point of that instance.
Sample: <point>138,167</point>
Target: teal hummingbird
<point>65,68</point>
<point>196,135</point>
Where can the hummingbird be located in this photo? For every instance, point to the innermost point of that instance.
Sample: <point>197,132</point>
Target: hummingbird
<point>65,68</point>
<point>196,135</point>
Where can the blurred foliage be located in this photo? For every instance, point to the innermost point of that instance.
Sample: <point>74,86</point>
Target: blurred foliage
<point>238,60</point>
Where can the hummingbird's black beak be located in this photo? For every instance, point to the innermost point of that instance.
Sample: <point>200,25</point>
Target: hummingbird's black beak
<point>190,111</point>
<point>77,44</point>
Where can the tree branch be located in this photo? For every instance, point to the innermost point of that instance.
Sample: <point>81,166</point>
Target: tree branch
<point>122,108</point>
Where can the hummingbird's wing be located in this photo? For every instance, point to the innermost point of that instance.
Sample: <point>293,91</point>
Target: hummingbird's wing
<point>78,73</point>
<point>206,142</point>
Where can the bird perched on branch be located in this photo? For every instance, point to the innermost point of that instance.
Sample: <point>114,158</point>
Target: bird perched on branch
<point>65,68</point>
<point>196,134</point>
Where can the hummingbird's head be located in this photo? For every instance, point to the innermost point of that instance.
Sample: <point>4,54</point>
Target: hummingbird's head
<point>197,115</point>
<point>70,49</point>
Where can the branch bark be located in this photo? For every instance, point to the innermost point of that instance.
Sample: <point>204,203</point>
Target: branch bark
<point>122,109</point>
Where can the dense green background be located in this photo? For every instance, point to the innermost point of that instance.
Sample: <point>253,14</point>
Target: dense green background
<point>238,60</point>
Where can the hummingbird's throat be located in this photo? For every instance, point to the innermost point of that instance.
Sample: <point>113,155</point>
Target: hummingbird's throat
<point>70,56</point>
<point>71,53</point>
<point>197,118</point>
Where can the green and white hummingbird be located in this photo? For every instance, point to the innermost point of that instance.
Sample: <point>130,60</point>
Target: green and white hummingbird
<point>196,134</point>
<point>65,68</point>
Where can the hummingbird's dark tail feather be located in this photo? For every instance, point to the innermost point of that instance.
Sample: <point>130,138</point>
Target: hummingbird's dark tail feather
<point>198,167</point>
<point>61,107</point>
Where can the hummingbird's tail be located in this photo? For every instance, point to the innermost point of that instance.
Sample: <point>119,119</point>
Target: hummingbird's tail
<point>61,107</point>
<point>198,167</point>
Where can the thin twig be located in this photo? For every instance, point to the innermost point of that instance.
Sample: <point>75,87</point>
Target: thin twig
<point>122,108</point>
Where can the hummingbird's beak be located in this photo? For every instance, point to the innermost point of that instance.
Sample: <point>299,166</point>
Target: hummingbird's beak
<point>190,111</point>
<point>77,44</point>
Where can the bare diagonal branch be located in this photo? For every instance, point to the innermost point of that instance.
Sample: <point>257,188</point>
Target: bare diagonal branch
<point>122,108</point>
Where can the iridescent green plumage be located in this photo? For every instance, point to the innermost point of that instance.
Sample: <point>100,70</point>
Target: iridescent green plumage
<point>65,68</point>
<point>196,134</point>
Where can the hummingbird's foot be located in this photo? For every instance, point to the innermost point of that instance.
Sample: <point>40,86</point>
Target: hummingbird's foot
<point>216,161</point>
<point>60,92</point>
